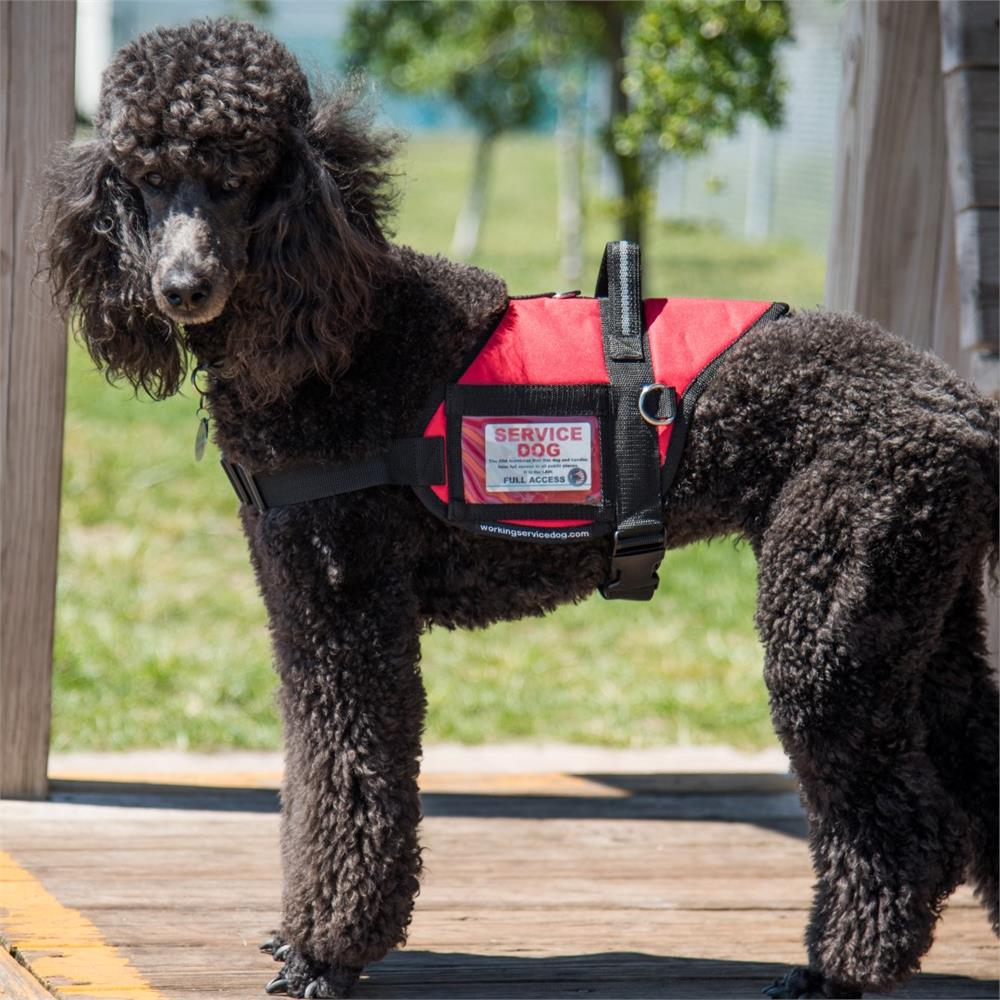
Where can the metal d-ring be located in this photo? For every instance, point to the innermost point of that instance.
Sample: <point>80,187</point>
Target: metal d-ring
<point>653,420</point>
<point>199,373</point>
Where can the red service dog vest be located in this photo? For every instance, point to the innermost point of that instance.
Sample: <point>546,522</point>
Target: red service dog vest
<point>567,422</point>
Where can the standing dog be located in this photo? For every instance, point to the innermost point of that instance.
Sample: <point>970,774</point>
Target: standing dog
<point>222,214</point>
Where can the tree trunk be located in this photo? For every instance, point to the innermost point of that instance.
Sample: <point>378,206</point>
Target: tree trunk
<point>569,153</point>
<point>629,168</point>
<point>465,241</point>
<point>633,218</point>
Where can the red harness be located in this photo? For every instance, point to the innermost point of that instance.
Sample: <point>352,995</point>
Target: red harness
<point>548,342</point>
<point>567,422</point>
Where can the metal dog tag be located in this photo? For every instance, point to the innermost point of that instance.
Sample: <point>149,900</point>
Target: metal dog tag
<point>200,438</point>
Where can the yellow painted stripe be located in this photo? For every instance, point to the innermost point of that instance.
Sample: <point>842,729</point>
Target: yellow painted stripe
<point>458,783</point>
<point>61,945</point>
<point>511,783</point>
<point>193,779</point>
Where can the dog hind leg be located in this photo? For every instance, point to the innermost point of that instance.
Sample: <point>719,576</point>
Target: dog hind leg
<point>848,611</point>
<point>959,704</point>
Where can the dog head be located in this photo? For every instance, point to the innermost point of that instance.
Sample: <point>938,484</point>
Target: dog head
<point>219,209</point>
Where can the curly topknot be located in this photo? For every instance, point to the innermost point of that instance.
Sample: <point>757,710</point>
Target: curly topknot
<point>224,97</point>
<point>165,96</point>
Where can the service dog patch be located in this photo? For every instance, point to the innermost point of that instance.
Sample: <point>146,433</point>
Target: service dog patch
<point>527,459</point>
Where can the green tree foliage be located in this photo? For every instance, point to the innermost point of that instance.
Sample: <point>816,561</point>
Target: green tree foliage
<point>692,68</point>
<point>482,54</point>
<point>686,70</point>
<point>479,53</point>
<point>680,72</point>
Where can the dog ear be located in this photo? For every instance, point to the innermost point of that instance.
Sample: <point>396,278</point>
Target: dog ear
<point>316,256</point>
<point>96,253</point>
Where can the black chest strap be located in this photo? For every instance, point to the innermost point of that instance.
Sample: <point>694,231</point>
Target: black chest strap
<point>407,462</point>
<point>638,540</point>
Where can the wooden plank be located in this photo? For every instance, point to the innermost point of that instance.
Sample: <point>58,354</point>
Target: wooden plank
<point>914,234</point>
<point>968,34</point>
<point>501,783</point>
<point>972,110</point>
<point>969,59</point>
<point>17,983</point>
<point>36,110</point>
<point>970,39</point>
<point>978,245</point>
<point>63,948</point>
<point>529,905</point>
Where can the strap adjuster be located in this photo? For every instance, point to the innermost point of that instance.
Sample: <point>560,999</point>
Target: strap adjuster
<point>635,559</point>
<point>243,482</point>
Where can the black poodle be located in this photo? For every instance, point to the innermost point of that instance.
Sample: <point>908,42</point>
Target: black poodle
<point>223,214</point>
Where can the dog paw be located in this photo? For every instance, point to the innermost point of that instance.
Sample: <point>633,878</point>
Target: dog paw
<point>808,983</point>
<point>300,977</point>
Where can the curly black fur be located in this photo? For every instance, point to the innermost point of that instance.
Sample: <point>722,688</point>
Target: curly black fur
<point>863,473</point>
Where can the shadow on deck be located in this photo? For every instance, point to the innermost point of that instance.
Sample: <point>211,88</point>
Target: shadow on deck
<point>623,975</point>
<point>762,799</point>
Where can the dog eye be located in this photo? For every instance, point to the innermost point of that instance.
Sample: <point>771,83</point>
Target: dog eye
<point>232,183</point>
<point>153,179</point>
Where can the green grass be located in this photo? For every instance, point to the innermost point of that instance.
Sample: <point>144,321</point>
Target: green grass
<point>161,638</point>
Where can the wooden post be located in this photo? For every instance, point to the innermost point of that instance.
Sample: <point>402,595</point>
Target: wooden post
<point>890,253</point>
<point>970,35</point>
<point>36,110</point>
<point>914,236</point>
<point>970,38</point>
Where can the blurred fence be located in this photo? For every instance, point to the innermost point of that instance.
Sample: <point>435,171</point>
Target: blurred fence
<point>762,183</point>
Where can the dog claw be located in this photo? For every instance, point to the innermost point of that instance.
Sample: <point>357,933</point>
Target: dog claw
<point>312,990</point>
<point>268,946</point>
<point>280,954</point>
<point>277,985</point>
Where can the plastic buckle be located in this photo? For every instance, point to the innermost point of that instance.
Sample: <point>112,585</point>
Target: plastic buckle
<point>634,562</point>
<point>243,483</point>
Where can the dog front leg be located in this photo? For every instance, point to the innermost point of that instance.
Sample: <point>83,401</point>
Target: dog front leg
<point>353,708</point>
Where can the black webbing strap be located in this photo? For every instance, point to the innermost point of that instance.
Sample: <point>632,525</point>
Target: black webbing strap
<point>408,462</point>
<point>638,543</point>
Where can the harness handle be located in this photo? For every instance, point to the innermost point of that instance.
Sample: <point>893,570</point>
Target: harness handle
<point>639,539</point>
<point>619,283</point>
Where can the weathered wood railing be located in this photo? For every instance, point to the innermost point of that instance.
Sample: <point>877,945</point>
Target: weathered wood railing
<point>36,110</point>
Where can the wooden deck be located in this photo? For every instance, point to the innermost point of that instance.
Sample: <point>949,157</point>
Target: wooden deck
<point>536,886</point>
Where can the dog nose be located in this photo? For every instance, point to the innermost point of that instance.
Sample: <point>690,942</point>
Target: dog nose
<point>184,290</point>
